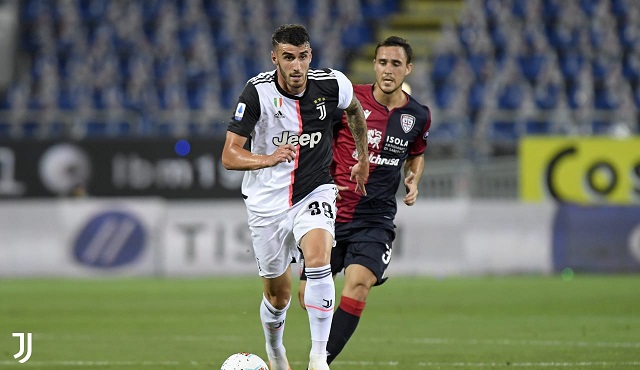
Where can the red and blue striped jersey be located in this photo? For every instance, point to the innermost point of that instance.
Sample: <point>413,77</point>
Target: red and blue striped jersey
<point>393,135</point>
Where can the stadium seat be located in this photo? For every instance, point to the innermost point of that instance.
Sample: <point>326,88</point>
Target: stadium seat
<point>537,128</point>
<point>5,130</point>
<point>143,47</point>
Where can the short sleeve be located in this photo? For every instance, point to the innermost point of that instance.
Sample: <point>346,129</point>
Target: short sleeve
<point>346,89</point>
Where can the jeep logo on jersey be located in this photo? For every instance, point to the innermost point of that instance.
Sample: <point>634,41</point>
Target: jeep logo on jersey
<point>305,139</point>
<point>407,121</point>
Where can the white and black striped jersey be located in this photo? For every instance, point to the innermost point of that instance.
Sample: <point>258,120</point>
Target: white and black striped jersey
<point>270,117</point>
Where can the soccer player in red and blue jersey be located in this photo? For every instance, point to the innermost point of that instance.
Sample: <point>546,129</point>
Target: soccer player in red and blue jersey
<point>398,127</point>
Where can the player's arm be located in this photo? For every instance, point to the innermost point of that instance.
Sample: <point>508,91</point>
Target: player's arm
<point>236,157</point>
<point>358,126</point>
<point>243,122</point>
<point>413,168</point>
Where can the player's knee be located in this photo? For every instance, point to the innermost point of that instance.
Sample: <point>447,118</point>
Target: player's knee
<point>317,256</point>
<point>279,303</point>
<point>316,246</point>
<point>358,290</point>
<point>279,300</point>
<point>361,291</point>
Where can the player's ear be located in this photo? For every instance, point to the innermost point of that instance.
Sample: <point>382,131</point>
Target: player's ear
<point>274,59</point>
<point>409,67</point>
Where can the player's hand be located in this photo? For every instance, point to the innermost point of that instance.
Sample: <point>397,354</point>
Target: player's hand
<point>360,173</point>
<point>341,188</point>
<point>412,190</point>
<point>285,153</point>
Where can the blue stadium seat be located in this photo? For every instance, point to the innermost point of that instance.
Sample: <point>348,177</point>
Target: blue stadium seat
<point>147,56</point>
<point>443,64</point>
<point>571,62</point>
<point>600,127</point>
<point>503,132</point>
<point>538,128</point>
<point>547,96</point>
<point>445,95</point>
<point>5,130</point>
<point>511,96</point>
<point>531,66</point>
<point>356,35</point>
<point>108,128</point>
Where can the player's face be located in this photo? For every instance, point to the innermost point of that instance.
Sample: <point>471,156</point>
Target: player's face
<point>391,68</point>
<point>292,63</point>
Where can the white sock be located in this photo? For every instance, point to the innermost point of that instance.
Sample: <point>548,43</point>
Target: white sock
<point>319,298</point>
<point>273,326</point>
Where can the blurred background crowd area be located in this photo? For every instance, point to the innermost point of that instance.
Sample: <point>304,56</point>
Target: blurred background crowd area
<point>492,71</point>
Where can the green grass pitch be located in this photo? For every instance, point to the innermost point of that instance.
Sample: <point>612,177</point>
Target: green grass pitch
<point>529,322</point>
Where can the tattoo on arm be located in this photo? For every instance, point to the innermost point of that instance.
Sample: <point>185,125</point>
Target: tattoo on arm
<point>358,127</point>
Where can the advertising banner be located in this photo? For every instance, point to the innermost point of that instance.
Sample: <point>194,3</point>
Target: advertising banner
<point>167,168</point>
<point>207,238</point>
<point>181,238</point>
<point>597,238</point>
<point>81,237</point>
<point>586,170</point>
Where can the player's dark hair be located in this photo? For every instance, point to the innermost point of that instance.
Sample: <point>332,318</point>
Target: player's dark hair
<point>292,34</point>
<point>397,41</point>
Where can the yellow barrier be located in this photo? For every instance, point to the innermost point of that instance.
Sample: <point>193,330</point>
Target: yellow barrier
<point>580,170</point>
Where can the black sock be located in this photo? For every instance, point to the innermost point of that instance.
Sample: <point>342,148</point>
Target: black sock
<point>344,324</point>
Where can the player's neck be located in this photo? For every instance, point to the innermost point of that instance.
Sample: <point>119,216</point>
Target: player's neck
<point>284,86</point>
<point>393,100</point>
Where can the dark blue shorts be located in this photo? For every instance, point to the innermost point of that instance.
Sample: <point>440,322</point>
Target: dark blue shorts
<point>368,247</point>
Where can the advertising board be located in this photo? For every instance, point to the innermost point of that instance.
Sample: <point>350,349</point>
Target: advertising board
<point>587,170</point>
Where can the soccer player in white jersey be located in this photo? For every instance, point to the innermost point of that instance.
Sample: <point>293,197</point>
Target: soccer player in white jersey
<point>281,135</point>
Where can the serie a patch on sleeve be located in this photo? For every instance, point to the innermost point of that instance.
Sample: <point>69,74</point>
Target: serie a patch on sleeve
<point>239,111</point>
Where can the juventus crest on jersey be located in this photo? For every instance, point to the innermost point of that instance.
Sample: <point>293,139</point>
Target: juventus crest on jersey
<point>270,117</point>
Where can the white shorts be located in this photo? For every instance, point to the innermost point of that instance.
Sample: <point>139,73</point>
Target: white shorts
<point>276,239</point>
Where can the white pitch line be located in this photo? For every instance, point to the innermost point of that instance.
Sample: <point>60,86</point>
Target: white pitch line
<point>380,364</point>
<point>80,363</point>
<point>518,342</point>
<point>442,341</point>
<point>83,364</point>
<point>532,364</point>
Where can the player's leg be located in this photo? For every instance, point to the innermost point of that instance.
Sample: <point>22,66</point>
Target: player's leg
<point>319,293</point>
<point>273,243</point>
<point>314,231</point>
<point>301,288</point>
<point>273,313</point>
<point>337,265</point>
<point>358,282</point>
<point>365,264</point>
